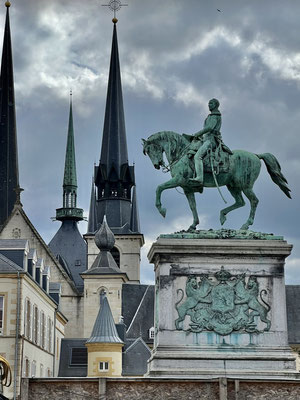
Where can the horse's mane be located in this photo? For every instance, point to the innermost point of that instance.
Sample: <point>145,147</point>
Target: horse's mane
<point>176,141</point>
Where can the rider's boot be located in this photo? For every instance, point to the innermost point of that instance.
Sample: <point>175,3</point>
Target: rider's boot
<point>199,173</point>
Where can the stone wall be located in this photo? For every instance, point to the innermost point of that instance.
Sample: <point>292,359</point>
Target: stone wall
<point>149,389</point>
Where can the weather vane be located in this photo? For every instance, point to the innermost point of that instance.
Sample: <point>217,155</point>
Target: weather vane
<point>114,5</point>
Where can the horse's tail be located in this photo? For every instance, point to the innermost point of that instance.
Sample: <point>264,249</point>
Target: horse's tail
<point>274,170</point>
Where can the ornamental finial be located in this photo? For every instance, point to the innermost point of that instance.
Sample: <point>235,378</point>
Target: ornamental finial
<point>7,4</point>
<point>114,5</point>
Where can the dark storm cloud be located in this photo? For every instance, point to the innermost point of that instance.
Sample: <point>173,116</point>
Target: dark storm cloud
<point>174,56</point>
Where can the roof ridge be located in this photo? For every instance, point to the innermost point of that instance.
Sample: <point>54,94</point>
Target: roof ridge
<point>139,339</point>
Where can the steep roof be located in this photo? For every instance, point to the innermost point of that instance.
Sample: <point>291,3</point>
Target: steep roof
<point>293,313</point>
<point>71,247</point>
<point>134,219</point>
<point>9,172</point>
<point>135,358</point>
<point>138,310</point>
<point>104,330</point>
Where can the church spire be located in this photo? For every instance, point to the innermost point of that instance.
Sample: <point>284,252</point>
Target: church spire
<point>114,178</point>
<point>69,209</point>
<point>9,171</point>
<point>114,144</point>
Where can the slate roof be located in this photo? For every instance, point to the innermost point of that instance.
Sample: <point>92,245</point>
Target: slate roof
<point>66,367</point>
<point>6,265</point>
<point>293,313</point>
<point>71,247</point>
<point>14,244</point>
<point>135,357</point>
<point>104,330</point>
<point>138,310</point>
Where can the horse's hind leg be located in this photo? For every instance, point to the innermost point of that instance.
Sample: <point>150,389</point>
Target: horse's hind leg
<point>239,202</point>
<point>192,203</point>
<point>253,202</point>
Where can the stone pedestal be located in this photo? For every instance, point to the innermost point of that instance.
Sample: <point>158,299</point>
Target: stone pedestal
<point>220,308</point>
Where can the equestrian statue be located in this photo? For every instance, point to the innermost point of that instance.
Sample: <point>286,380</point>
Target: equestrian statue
<point>203,160</point>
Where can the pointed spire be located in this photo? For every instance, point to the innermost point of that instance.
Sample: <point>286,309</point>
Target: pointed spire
<point>92,224</point>
<point>104,330</point>
<point>70,178</point>
<point>114,144</point>
<point>70,210</point>
<point>134,220</point>
<point>114,178</point>
<point>9,171</point>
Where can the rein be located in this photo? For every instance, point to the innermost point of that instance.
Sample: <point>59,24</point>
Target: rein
<point>167,168</point>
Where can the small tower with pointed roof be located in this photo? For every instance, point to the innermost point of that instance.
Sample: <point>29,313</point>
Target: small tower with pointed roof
<point>67,244</point>
<point>104,345</point>
<point>112,193</point>
<point>104,275</point>
<point>9,171</point>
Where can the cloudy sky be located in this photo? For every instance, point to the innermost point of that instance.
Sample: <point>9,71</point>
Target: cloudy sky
<point>175,55</point>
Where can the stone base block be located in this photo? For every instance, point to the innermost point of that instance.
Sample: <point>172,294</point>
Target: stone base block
<point>220,308</point>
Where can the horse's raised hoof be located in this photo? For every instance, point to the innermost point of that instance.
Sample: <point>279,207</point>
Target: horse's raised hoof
<point>163,212</point>
<point>245,227</point>
<point>222,218</point>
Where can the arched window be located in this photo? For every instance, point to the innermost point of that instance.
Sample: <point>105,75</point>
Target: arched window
<point>116,255</point>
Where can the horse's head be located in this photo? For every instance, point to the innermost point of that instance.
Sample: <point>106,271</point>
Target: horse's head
<point>155,152</point>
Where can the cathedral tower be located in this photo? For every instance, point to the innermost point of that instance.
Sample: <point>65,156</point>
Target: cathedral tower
<point>113,191</point>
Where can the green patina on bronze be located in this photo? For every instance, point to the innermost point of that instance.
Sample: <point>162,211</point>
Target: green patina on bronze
<point>223,305</point>
<point>203,160</point>
<point>221,234</point>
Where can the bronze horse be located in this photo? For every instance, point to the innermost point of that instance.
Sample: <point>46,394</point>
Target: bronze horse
<point>244,169</point>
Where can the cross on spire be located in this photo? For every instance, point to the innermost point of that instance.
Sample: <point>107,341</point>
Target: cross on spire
<point>114,5</point>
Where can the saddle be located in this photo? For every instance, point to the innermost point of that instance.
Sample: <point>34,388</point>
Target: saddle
<point>218,159</point>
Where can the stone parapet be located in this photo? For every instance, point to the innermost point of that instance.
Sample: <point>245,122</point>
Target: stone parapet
<point>160,389</point>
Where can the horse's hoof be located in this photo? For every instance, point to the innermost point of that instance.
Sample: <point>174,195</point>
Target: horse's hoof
<point>244,227</point>
<point>163,212</point>
<point>222,218</point>
<point>191,228</point>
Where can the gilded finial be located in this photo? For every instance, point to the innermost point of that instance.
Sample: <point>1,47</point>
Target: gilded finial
<point>7,4</point>
<point>114,5</point>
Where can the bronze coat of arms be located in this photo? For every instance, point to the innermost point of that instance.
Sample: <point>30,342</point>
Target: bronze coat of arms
<point>223,305</point>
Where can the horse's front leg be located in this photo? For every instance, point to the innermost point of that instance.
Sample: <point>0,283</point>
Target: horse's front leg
<point>172,183</point>
<point>192,203</point>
